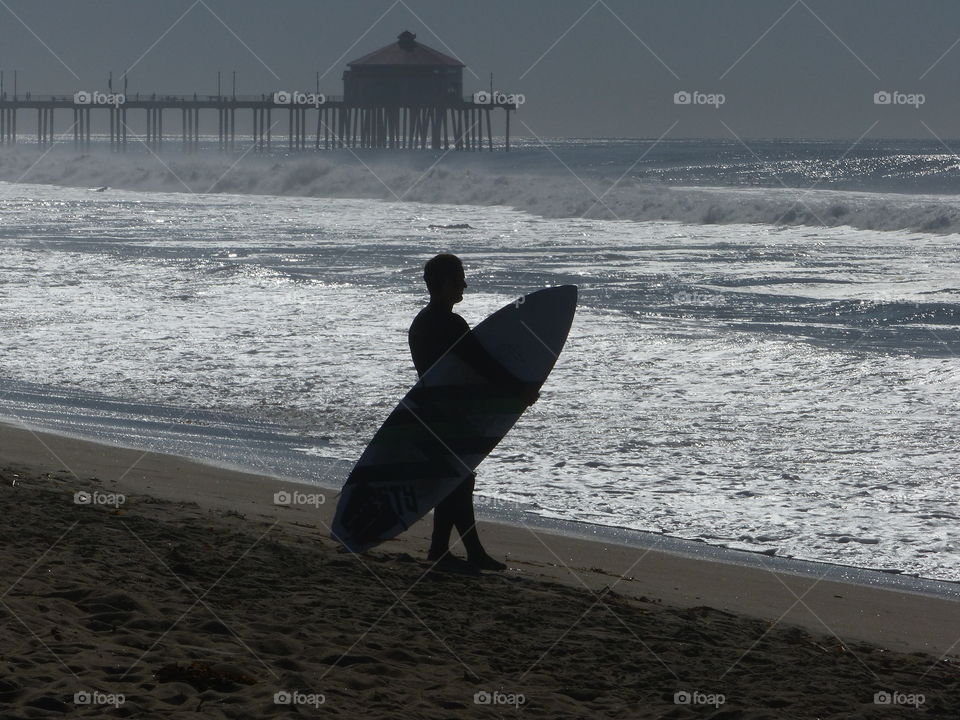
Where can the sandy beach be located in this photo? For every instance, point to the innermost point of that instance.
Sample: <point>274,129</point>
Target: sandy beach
<point>149,586</point>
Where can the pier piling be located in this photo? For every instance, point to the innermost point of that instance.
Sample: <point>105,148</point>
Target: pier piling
<point>332,124</point>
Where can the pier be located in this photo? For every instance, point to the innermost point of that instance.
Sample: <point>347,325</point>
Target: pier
<point>334,123</point>
<point>403,96</point>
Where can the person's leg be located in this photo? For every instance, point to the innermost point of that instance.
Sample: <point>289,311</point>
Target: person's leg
<point>456,509</point>
<point>464,519</point>
<point>443,516</point>
<point>466,523</point>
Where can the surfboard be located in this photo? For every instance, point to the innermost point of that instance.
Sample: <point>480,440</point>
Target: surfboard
<point>450,421</point>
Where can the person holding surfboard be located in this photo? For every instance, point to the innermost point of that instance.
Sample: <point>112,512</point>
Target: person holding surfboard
<point>474,385</point>
<point>436,331</point>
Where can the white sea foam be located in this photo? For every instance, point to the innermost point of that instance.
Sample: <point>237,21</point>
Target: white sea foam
<point>483,180</point>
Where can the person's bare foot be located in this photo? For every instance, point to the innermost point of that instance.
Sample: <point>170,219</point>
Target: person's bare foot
<point>452,564</point>
<point>485,562</point>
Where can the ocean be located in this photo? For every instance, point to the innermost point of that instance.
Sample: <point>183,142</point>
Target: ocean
<point>764,356</point>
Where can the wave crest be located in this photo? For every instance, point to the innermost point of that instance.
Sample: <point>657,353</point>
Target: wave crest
<point>482,181</point>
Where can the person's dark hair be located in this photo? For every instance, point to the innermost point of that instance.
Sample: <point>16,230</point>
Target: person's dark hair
<point>440,268</point>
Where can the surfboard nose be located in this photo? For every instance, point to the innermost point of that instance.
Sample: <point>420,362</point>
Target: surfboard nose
<point>561,298</point>
<point>569,293</point>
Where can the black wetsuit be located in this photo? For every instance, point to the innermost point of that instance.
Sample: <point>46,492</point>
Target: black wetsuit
<point>435,332</point>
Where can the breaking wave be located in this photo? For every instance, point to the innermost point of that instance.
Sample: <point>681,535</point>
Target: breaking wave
<point>482,180</point>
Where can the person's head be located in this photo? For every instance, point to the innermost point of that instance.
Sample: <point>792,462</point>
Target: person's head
<point>445,278</point>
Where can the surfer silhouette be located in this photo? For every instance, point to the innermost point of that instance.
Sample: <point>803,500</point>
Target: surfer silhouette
<point>436,331</point>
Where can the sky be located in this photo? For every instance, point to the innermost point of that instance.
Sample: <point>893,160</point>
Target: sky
<point>587,68</point>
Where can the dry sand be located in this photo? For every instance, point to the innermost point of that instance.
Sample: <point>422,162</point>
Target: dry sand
<point>199,597</point>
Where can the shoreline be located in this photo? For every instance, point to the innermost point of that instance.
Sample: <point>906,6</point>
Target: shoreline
<point>514,515</point>
<point>866,603</point>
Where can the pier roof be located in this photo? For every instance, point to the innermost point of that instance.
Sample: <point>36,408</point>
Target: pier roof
<point>406,51</point>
